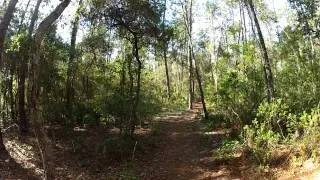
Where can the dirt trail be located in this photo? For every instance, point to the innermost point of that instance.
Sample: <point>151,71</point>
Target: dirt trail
<point>180,153</point>
<point>180,150</point>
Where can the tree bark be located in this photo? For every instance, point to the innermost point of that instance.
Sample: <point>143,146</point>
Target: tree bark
<point>3,31</point>
<point>198,77</point>
<point>165,48</point>
<point>197,70</point>
<point>70,71</point>
<point>137,96</point>
<point>23,71</point>
<point>10,92</point>
<point>167,73</point>
<point>23,15</point>
<point>5,24</point>
<point>188,25</point>
<point>265,62</point>
<point>35,53</point>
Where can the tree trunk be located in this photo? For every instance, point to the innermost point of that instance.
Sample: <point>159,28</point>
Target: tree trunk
<point>23,71</point>
<point>35,53</point>
<point>265,62</point>
<point>167,73</point>
<point>192,56</point>
<point>3,31</point>
<point>2,147</point>
<point>165,48</point>
<point>5,24</point>
<point>122,84</point>
<point>11,95</point>
<point>70,71</point>
<point>188,24</point>
<point>23,15</point>
<point>198,76</point>
<point>137,96</point>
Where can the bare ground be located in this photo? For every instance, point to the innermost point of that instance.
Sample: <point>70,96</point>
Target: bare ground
<point>183,151</point>
<point>179,149</point>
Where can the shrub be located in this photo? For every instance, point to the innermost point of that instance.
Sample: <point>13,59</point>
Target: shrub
<point>262,136</point>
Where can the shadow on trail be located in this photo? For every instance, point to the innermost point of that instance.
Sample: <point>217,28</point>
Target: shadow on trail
<point>182,151</point>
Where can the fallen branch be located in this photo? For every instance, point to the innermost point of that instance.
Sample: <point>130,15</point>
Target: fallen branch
<point>134,150</point>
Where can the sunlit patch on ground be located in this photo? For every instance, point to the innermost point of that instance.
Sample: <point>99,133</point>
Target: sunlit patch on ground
<point>24,155</point>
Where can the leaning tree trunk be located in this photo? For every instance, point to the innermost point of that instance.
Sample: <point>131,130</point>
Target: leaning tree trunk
<point>70,71</point>
<point>35,53</point>
<point>23,16</point>
<point>167,73</point>
<point>266,62</point>
<point>3,31</point>
<point>198,77</point>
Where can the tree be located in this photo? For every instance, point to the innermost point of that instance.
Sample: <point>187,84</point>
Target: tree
<point>165,38</point>
<point>188,24</point>
<point>35,52</point>
<point>136,27</point>
<point>23,71</point>
<point>72,55</point>
<point>3,31</point>
<point>5,24</point>
<point>265,62</point>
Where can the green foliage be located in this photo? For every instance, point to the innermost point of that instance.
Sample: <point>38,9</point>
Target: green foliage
<point>260,136</point>
<point>228,149</point>
<point>216,121</point>
<point>239,89</point>
<point>304,135</point>
<point>266,133</point>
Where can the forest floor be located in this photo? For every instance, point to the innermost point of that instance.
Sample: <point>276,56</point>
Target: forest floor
<point>176,148</point>
<point>185,152</point>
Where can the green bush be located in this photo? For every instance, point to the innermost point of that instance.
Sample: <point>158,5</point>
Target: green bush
<point>260,136</point>
<point>266,132</point>
<point>228,149</point>
<point>304,135</point>
<point>216,121</point>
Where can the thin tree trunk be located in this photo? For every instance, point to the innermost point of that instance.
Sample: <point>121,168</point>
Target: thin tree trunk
<point>122,84</point>
<point>3,31</point>
<point>188,24</point>
<point>130,88</point>
<point>266,62</point>
<point>23,71</point>
<point>167,73</point>
<point>34,18</point>
<point>23,15</point>
<point>137,96</point>
<point>165,47</point>
<point>70,71</point>
<point>11,95</point>
<point>192,56</point>
<point>198,77</point>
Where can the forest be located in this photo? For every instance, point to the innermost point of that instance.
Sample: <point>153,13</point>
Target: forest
<point>159,89</point>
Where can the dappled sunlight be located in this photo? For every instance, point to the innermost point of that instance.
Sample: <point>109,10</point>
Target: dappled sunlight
<point>25,155</point>
<point>159,89</point>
